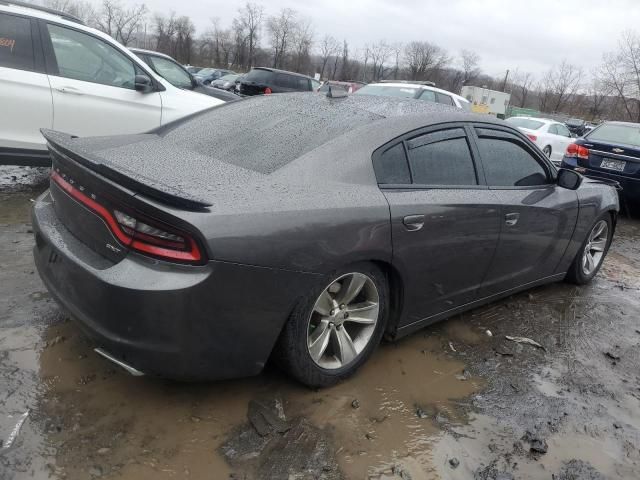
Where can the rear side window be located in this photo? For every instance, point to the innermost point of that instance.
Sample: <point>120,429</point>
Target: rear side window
<point>508,164</point>
<point>442,158</point>
<point>16,48</point>
<point>553,129</point>
<point>391,166</point>
<point>444,99</point>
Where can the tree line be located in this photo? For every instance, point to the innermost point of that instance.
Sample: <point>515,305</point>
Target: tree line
<point>287,40</point>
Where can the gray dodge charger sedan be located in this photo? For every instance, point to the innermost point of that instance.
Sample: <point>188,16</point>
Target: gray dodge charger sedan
<point>320,226</point>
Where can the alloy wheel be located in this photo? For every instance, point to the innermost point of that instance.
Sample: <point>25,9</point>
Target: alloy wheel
<point>594,249</point>
<point>343,320</point>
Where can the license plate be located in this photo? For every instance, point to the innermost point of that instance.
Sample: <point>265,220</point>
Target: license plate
<point>617,165</point>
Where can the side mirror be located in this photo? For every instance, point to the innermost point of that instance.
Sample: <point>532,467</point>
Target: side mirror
<point>569,179</point>
<point>142,83</point>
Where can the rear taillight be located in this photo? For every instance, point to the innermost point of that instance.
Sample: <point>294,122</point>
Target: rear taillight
<point>267,91</point>
<point>532,137</point>
<point>141,234</point>
<point>577,151</point>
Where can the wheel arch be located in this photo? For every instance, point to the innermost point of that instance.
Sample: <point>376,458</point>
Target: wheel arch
<point>396,295</point>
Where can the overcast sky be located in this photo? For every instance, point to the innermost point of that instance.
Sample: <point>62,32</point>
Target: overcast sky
<point>528,35</point>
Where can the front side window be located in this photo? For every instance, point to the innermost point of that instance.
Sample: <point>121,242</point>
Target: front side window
<point>442,158</point>
<point>171,72</point>
<point>508,164</point>
<point>16,49</point>
<point>83,57</point>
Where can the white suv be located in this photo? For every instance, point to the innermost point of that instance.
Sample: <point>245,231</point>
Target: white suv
<point>57,73</point>
<point>424,91</point>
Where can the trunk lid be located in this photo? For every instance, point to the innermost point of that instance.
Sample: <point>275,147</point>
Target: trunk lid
<point>611,158</point>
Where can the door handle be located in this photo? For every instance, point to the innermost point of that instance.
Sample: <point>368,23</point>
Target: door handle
<point>413,222</point>
<point>511,219</point>
<point>73,90</point>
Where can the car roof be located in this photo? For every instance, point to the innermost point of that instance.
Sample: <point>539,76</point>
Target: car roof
<point>151,52</point>
<point>547,121</point>
<point>38,11</point>
<point>629,124</point>
<point>421,86</point>
<point>286,72</point>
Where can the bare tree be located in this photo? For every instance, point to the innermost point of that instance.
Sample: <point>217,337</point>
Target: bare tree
<point>521,86</point>
<point>79,8</point>
<point>620,71</point>
<point>558,86</point>
<point>302,39</point>
<point>470,70</point>
<point>423,58</point>
<point>250,19</point>
<point>380,53</point>
<point>346,66</point>
<point>281,28</point>
<point>119,22</point>
<point>328,47</point>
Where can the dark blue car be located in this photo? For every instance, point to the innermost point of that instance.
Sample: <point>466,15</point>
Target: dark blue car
<point>610,151</point>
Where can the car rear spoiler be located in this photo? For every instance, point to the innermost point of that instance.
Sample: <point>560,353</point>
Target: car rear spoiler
<point>62,144</point>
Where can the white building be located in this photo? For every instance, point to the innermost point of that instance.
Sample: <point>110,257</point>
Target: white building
<point>488,101</point>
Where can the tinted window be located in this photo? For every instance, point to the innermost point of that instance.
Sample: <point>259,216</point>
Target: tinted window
<point>508,164</point>
<point>428,96</point>
<point>525,123</point>
<point>445,99</point>
<point>258,76</point>
<point>16,50</point>
<point>171,72</point>
<point>391,167</point>
<point>612,133</point>
<point>87,58</point>
<point>442,158</point>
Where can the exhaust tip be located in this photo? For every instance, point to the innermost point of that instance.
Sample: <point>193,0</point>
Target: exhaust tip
<point>133,371</point>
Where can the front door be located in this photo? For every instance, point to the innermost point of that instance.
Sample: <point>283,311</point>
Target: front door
<point>537,216</point>
<point>93,86</point>
<point>445,224</point>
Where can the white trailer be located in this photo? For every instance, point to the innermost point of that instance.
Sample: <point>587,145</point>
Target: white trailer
<point>485,100</point>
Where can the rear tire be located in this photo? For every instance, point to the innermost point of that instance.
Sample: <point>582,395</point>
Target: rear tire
<point>340,328</point>
<point>592,252</point>
<point>547,151</point>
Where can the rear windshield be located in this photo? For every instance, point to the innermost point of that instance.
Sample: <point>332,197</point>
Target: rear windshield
<point>612,133</point>
<point>258,76</point>
<point>268,131</point>
<point>525,123</point>
<point>388,91</point>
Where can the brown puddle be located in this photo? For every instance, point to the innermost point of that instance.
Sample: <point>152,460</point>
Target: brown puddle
<point>103,421</point>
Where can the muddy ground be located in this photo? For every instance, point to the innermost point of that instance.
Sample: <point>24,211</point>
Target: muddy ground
<point>450,402</point>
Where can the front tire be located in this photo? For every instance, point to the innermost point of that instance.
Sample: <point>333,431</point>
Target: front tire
<point>336,327</point>
<point>592,252</point>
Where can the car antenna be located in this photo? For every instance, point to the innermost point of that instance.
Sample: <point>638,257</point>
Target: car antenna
<point>340,93</point>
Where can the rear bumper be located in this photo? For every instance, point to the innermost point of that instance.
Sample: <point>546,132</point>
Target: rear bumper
<point>209,322</point>
<point>630,186</point>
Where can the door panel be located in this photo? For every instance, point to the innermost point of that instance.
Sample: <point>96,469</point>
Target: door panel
<point>92,84</point>
<point>537,216</point>
<point>25,94</point>
<point>444,261</point>
<point>27,106</point>
<point>531,247</point>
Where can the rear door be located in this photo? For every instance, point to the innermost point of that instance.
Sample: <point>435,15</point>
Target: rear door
<point>25,93</point>
<point>445,223</point>
<point>537,217</point>
<point>93,86</point>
